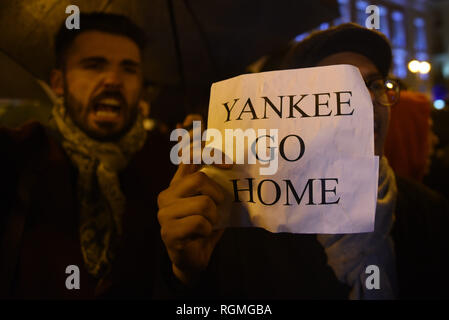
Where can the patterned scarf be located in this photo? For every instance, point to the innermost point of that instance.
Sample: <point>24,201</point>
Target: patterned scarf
<point>101,201</point>
<point>350,254</point>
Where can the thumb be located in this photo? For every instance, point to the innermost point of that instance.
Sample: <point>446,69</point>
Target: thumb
<point>184,170</point>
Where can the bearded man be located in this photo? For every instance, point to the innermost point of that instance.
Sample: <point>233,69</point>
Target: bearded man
<point>80,194</point>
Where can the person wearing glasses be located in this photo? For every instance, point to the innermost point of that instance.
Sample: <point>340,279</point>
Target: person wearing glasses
<point>349,255</point>
<point>408,244</point>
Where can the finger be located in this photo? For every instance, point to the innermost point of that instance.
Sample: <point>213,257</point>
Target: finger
<point>198,205</point>
<point>192,227</point>
<point>196,184</point>
<point>183,171</point>
<point>188,121</point>
<point>190,184</point>
<point>196,149</point>
<point>224,166</point>
<point>216,235</point>
<point>210,155</point>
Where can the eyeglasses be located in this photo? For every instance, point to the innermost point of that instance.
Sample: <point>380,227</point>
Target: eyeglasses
<point>386,91</point>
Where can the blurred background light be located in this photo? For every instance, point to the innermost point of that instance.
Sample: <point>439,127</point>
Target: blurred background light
<point>413,66</point>
<point>424,67</point>
<point>439,104</point>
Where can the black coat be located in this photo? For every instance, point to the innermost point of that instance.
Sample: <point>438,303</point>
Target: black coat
<point>420,234</point>
<point>38,188</point>
<point>247,263</point>
<point>39,228</point>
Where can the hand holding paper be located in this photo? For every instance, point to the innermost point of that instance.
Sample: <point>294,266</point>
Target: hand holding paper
<point>187,212</point>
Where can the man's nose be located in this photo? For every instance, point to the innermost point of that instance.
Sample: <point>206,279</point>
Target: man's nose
<point>113,79</point>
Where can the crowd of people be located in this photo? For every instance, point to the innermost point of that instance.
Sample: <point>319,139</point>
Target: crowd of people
<point>93,188</point>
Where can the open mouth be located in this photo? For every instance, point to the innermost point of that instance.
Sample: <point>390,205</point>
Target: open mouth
<point>107,108</point>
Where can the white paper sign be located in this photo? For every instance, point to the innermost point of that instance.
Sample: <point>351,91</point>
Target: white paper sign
<point>315,170</point>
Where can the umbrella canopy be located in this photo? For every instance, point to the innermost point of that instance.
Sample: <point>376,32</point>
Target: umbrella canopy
<point>191,43</point>
<point>18,83</point>
<point>22,98</point>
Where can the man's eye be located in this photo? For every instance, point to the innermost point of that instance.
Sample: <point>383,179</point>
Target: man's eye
<point>93,66</point>
<point>132,70</point>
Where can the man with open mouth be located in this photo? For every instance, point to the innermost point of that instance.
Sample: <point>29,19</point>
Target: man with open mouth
<point>89,178</point>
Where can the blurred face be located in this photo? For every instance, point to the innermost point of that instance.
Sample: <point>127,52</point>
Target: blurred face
<point>369,72</point>
<point>101,83</point>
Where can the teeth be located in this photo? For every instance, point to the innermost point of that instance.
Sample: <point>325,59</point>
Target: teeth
<point>106,113</point>
<point>110,102</point>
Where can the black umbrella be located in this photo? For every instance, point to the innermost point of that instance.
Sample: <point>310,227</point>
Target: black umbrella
<point>192,43</point>
<point>18,83</point>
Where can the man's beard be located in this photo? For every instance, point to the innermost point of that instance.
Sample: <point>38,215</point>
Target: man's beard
<point>74,108</point>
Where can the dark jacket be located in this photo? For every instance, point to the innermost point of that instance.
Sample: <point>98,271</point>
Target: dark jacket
<point>38,191</point>
<point>254,263</point>
<point>38,187</point>
<point>39,236</point>
<point>420,234</point>
<point>266,265</point>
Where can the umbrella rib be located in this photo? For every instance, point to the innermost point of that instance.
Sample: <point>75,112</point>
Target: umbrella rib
<point>203,37</point>
<point>106,5</point>
<point>176,41</point>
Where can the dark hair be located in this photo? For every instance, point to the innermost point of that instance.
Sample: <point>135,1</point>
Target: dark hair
<point>98,21</point>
